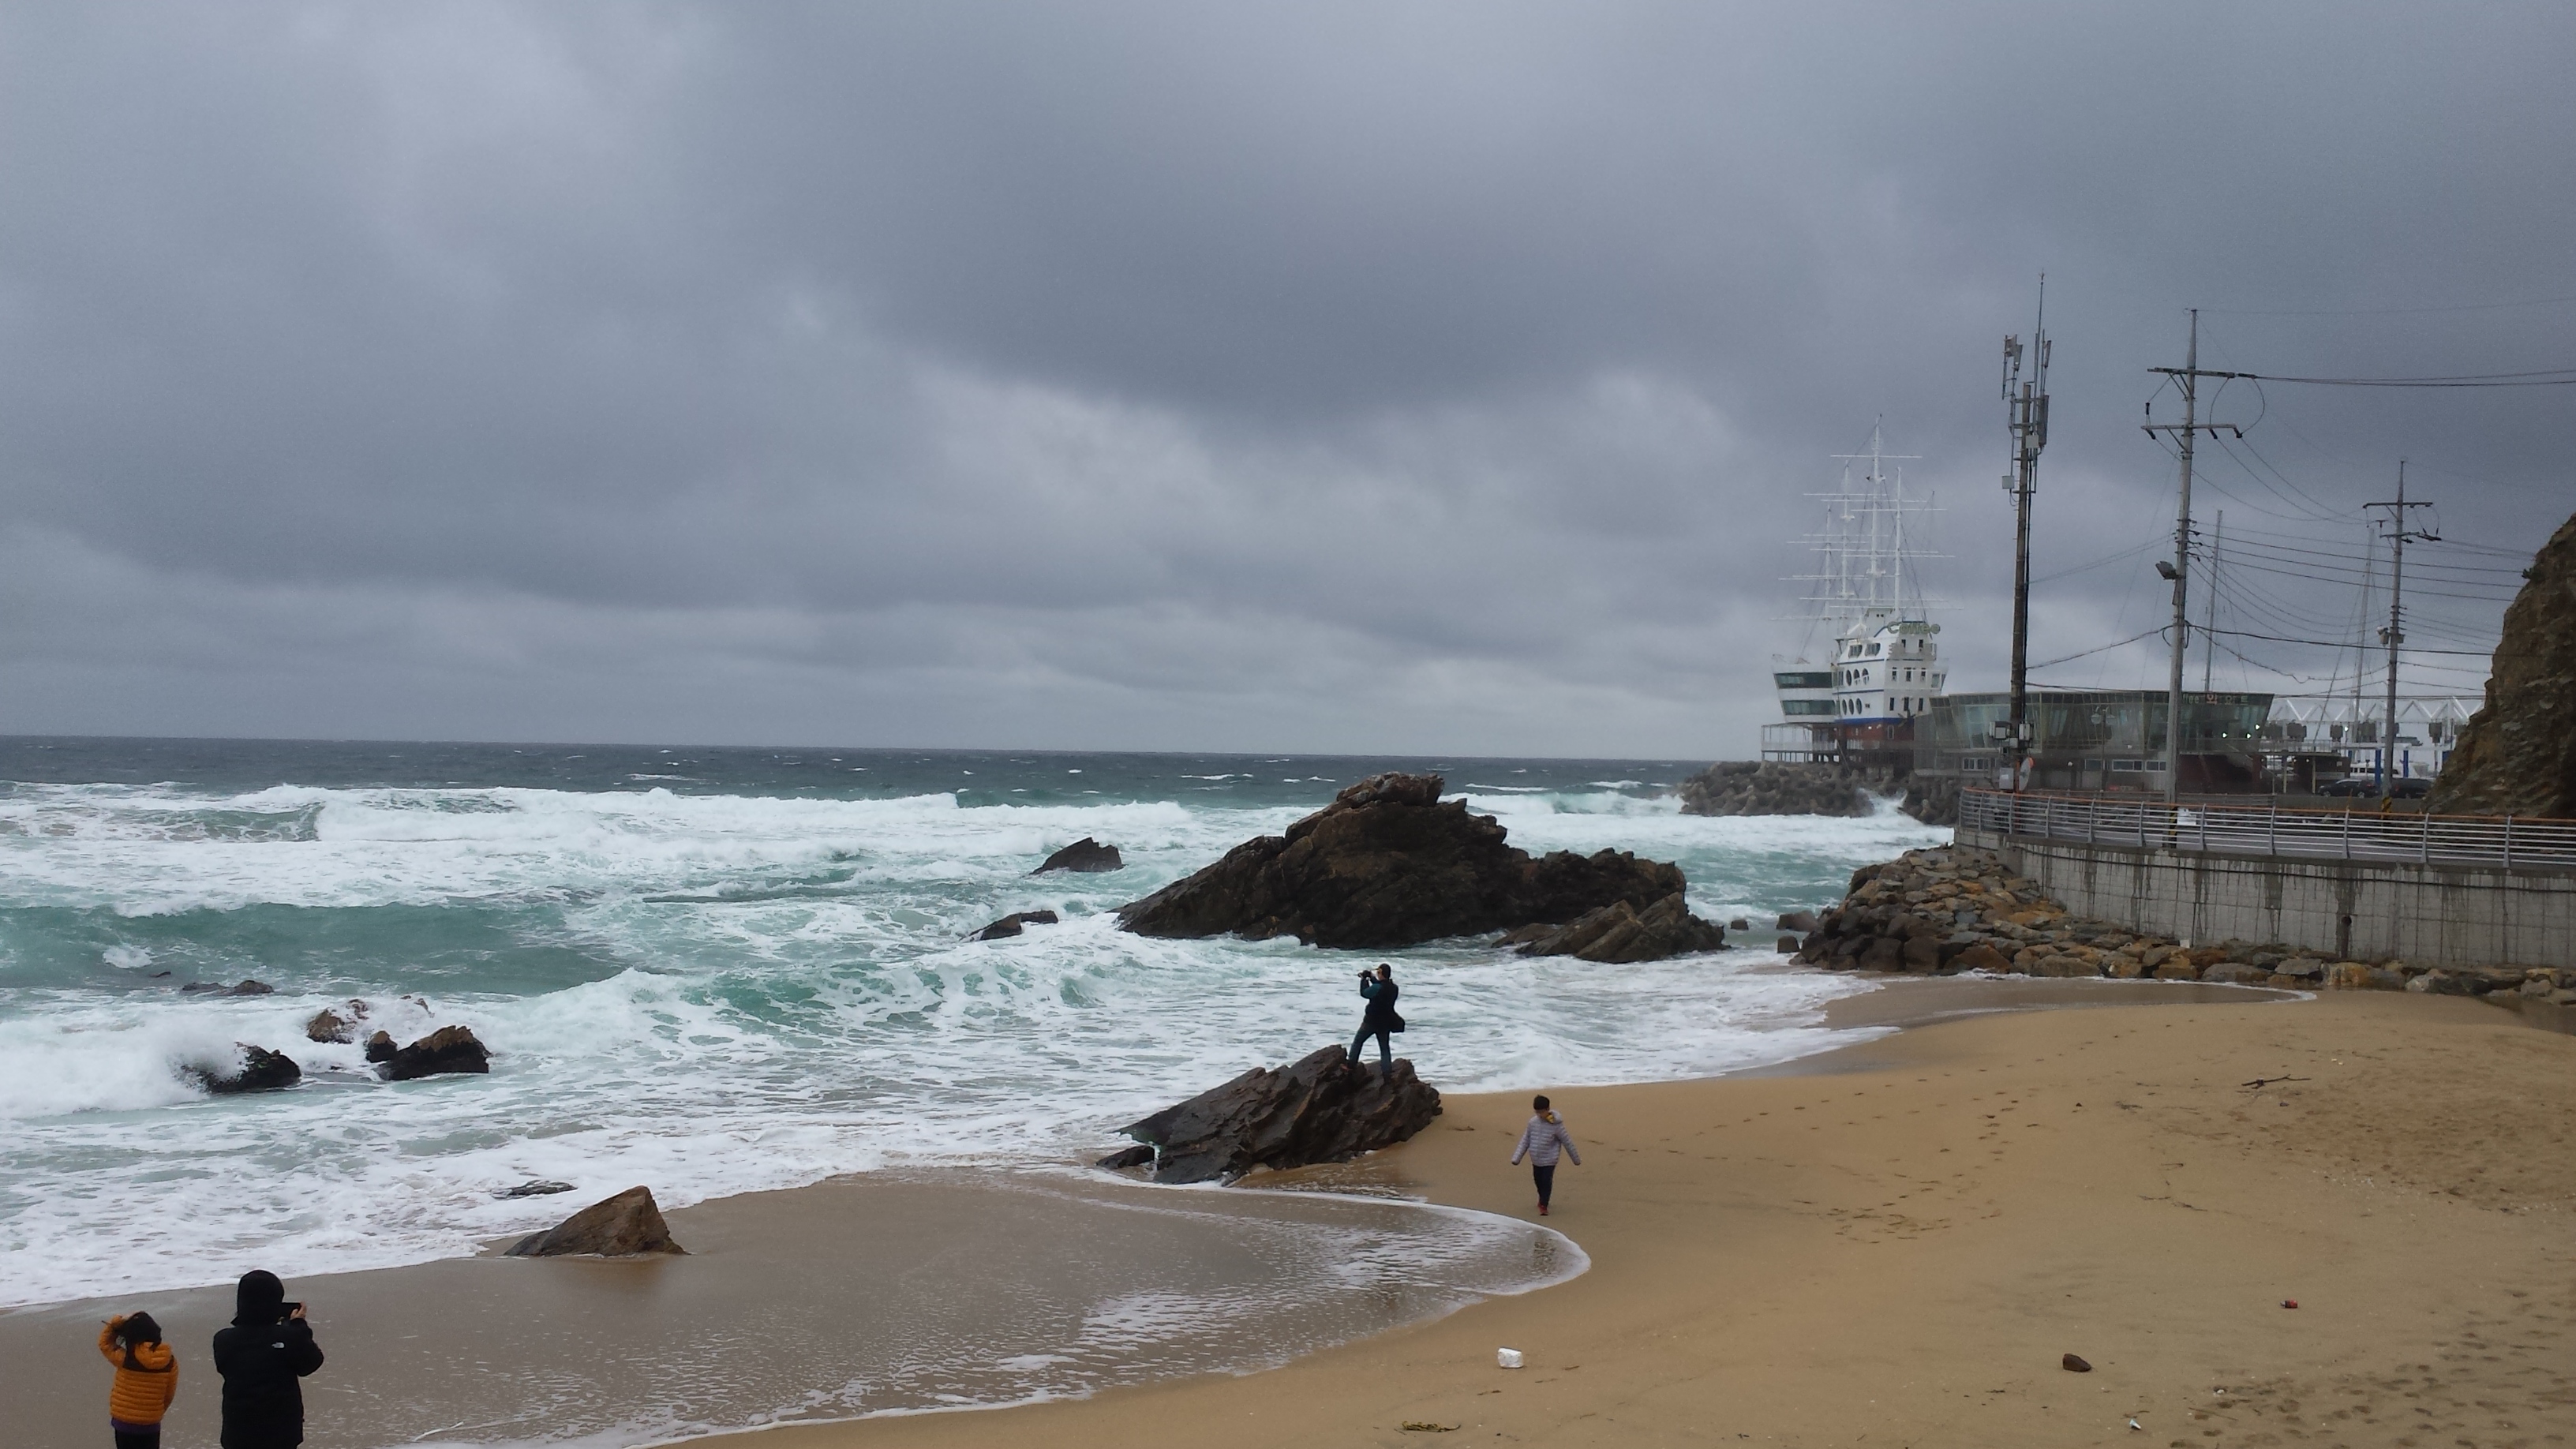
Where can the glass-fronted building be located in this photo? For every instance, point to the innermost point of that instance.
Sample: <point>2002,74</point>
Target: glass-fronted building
<point>2108,739</point>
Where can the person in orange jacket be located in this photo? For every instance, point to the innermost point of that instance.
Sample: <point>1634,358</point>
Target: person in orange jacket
<point>147,1379</point>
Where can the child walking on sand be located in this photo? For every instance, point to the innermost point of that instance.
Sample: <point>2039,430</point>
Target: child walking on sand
<point>147,1379</point>
<point>1541,1141</point>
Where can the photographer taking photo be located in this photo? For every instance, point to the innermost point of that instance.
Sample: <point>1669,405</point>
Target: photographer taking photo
<point>268,1348</point>
<point>1379,1019</point>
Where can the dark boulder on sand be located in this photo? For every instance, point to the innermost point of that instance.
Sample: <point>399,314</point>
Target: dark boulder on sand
<point>1086,855</point>
<point>448,1049</point>
<point>628,1225</point>
<point>1387,864</point>
<point>1014,923</point>
<point>1619,932</point>
<point>1322,1108</point>
<point>261,1070</point>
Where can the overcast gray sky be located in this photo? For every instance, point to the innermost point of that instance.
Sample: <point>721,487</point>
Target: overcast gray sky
<point>1368,377</point>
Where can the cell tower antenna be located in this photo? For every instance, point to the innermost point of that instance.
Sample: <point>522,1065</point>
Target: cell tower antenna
<point>2026,417</point>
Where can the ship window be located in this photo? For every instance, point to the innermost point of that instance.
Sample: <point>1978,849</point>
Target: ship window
<point>1873,650</point>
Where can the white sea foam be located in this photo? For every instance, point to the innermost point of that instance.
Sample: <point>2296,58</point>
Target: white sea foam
<point>728,993</point>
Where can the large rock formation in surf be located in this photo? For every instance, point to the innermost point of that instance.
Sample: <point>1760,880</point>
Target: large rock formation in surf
<point>1386,864</point>
<point>1618,932</point>
<point>1322,1108</point>
<point>2518,754</point>
<point>628,1225</point>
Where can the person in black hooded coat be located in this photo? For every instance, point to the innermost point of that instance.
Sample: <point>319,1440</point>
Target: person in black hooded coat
<point>262,1357</point>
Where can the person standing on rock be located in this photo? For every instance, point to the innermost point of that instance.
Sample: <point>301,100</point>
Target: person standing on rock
<point>1541,1141</point>
<point>1379,1019</point>
<point>147,1379</point>
<point>262,1356</point>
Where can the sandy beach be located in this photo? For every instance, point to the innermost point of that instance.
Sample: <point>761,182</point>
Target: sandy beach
<point>1892,1243</point>
<point>1898,1251</point>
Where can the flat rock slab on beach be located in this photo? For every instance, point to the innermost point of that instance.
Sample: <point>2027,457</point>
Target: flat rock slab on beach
<point>1322,1108</point>
<point>628,1225</point>
<point>1387,864</point>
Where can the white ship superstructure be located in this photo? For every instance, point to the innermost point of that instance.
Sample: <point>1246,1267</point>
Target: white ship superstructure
<point>1882,668</point>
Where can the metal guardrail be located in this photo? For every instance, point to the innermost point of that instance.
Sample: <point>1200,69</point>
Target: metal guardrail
<point>2266,829</point>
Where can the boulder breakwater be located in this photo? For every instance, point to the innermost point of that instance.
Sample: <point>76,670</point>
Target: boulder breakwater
<point>1952,909</point>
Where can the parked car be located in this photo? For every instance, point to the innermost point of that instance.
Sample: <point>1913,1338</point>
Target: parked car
<point>2366,787</point>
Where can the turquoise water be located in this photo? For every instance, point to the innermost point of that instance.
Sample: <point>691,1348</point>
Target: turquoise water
<point>723,970</point>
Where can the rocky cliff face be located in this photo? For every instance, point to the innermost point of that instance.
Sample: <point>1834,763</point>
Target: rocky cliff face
<point>1386,864</point>
<point>2518,754</point>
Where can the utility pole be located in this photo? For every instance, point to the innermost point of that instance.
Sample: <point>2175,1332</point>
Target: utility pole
<point>2394,635</point>
<point>2179,571</point>
<point>2026,415</point>
<point>2209,622</point>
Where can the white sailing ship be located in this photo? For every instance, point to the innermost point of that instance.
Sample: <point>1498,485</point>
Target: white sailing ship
<point>1870,664</point>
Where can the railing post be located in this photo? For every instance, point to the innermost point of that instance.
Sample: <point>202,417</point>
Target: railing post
<point>2347,832</point>
<point>2204,829</point>
<point>2424,847</point>
<point>2092,818</point>
<point>2508,842</point>
<point>2272,828</point>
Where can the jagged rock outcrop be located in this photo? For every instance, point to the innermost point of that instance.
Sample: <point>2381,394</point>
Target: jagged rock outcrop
<point>628,1225</point>
<point>1085,855</point>
<point>1014,923</point>
<point>448,1049</point>
<point>2517,756</point>
<point>1386,864</point>
<point>381,1048</point>
<point>217,988</point>
<point>1620,933</point>
<point>1321,1108</point>
<point>261,1070</point>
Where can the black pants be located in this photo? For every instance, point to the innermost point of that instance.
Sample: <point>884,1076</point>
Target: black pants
<point>148,1437</point>
<point>1385,1053</point>
<point>1545,1177</point>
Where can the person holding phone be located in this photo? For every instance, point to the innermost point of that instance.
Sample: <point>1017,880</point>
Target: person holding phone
<point>1379,1019</point>
<point>263,1356</point>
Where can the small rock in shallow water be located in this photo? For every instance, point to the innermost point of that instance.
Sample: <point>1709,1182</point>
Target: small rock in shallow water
<point>1085,856</point>
<point>1011,924</point>
<point>534,1189</point>
<point>628,1225</point>
<point>381,1048</point>
<point>330,1026</point>
<point>448,1049</point>
<point>262,1070</point>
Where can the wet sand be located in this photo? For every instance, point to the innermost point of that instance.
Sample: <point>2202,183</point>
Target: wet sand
<point>862,1295</point>
<point>1892,1243</point>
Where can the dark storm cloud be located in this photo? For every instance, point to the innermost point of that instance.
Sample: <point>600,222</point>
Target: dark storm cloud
<point>1423,376</point>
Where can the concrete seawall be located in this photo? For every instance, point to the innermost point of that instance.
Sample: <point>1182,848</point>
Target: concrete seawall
<point>2434,915</point>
